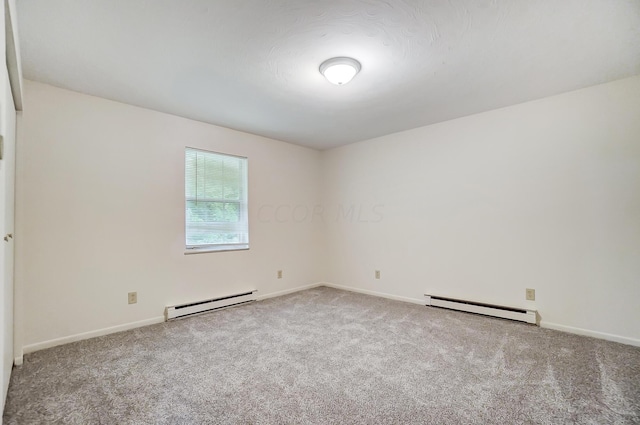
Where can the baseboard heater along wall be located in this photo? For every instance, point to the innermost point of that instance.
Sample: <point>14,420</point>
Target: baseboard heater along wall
<point>204,306</point>
<point>513,313</point>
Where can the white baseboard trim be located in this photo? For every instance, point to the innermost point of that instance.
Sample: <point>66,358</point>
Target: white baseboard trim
<point>586,332</point>
<point>91,334</point>
<point>554,326</point>
<point>18,353</point>
<point>287,291</point>
<point>160,319</point>
<point>127,326</point>
<point>375,293</point>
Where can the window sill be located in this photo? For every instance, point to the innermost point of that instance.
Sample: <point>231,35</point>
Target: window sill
<point>220,248</point>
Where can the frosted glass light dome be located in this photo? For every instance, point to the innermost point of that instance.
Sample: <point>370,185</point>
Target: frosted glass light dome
<point>340,70</point>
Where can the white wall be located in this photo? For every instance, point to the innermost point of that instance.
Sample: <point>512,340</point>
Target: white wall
<point>542,195</point>
<point>100,211</point>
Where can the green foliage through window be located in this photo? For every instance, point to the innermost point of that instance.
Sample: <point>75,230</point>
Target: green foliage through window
<point>215,199</point>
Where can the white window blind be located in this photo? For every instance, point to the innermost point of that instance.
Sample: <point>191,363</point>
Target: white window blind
<point>215,201</point>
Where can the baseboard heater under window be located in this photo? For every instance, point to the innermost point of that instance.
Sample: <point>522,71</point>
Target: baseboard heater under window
<point>522,315</point>
<point>198,307</point>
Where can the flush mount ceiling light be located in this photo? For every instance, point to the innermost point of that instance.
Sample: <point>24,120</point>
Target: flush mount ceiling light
<point>340,70</point>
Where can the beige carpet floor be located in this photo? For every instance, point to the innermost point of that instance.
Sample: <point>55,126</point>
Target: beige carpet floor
<point>325,356</point>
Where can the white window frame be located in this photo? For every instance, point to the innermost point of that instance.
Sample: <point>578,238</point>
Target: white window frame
<point>243,204</point>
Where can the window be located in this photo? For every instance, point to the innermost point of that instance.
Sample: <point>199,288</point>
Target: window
<point>215,201</point>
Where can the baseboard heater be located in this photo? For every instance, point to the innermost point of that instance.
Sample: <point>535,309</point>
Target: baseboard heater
<point>522,315</point>
<point>199,307</point>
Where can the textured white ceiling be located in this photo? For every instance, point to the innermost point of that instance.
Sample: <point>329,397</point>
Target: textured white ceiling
<point>253,65</point>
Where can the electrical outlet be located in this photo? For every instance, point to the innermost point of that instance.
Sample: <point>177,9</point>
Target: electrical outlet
<point>279,274</point>
<point>377,274</point>
<point>531,294</point>
<point>133,297</point>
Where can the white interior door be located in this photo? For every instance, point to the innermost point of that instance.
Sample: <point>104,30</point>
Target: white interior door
<point>7,198</point>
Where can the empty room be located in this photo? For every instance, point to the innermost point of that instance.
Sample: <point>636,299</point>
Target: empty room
<point>320,212</point>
